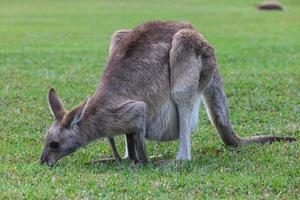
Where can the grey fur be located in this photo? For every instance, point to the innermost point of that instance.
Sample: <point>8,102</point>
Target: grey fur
<point>151,88</point>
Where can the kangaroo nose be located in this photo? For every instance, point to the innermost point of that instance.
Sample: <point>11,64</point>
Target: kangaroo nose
<point>50,163</point>
<point>44,161</point>
<point>43,158</point>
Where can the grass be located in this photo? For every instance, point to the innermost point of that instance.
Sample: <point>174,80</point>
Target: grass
<point>65,44</point>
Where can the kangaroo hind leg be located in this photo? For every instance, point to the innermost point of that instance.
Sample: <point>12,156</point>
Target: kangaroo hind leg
<point>188,77</point>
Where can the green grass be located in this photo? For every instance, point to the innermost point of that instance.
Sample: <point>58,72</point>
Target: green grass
<point>65,44</point>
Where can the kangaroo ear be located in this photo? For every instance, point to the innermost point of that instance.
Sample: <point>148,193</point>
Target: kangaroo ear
<point>75,115</point>
<point>55,105</point>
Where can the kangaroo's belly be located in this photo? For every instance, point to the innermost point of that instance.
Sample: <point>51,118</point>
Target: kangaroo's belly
<point>164,125</point>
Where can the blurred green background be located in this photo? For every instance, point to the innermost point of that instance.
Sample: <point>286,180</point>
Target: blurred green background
<point>65,44</point>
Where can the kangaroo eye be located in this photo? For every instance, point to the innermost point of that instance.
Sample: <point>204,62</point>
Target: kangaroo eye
<point>54,145</point>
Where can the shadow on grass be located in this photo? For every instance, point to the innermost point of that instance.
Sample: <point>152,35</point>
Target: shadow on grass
<point>207,158</point>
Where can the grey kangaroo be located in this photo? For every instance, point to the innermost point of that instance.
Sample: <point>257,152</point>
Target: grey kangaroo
<point>156,77</point>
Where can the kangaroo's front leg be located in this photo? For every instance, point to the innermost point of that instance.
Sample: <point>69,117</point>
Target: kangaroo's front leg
<point>132,120</point>
<point>140,147</point>
<point>140,134</point>
<point>130,148</point>
<point>114,149</point>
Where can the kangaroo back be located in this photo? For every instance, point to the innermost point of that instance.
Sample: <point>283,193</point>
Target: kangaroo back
<point>138,68</point>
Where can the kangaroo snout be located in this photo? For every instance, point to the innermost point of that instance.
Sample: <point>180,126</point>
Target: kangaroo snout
<point>45,158</point>
<point>51,158</point>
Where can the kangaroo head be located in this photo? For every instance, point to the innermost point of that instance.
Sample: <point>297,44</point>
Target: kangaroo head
<point>63,137</point>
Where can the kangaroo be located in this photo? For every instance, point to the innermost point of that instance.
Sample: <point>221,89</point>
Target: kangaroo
<point>156,77</point>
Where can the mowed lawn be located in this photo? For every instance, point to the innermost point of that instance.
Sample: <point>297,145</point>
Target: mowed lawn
<point>64,44</point>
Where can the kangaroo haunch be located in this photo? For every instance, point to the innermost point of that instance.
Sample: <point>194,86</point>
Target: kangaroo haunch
<point>156,77</point>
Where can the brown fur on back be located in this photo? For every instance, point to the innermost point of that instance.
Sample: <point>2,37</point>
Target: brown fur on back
<point>143,56</point>
<point>150,32</point>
